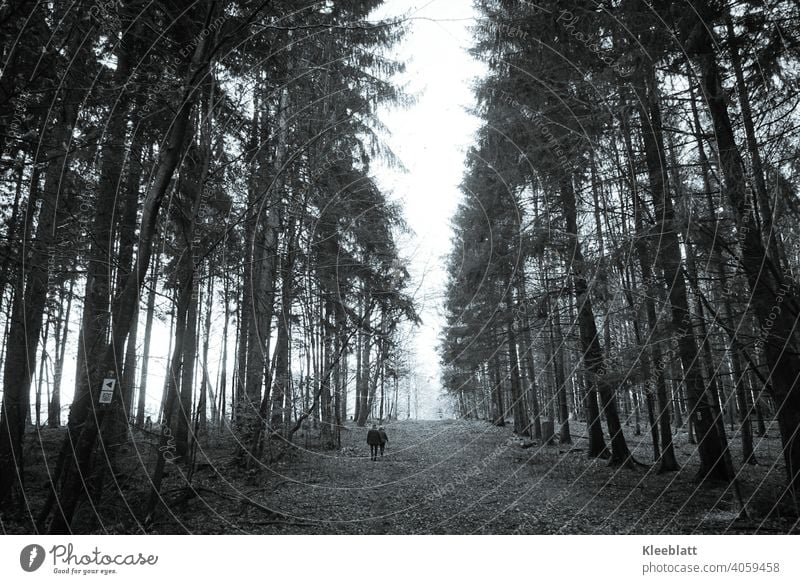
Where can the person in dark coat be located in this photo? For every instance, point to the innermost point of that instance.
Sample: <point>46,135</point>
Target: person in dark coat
<point>384,438</point>
<point>374,441</point>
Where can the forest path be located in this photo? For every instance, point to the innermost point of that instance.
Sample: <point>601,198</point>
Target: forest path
<point>435,476</point>
<point>460,476</point>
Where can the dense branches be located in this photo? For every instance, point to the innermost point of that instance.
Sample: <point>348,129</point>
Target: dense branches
<point>215,156</point>
<point>613,134</point>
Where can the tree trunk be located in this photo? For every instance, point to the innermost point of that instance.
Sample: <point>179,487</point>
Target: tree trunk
<point>363,380</point>
<point>527,353</point>
<point>590,344</point>
<point>148,330</point>
<point>72,481</point>
<point>28,307</point>
<point>359,365</point>
<point>770,291</point>
<point>223,373</point>
<point>40,379</point>
<point>185,397</point>
<point>202,420</point>
<point>283,375</point>
<point>564,436</point>
<point>327,438</point>
<point>499,416</point>
<point>763,206</point>
<point>54,409</point>
<point>521,423</point>
<point>92,339</point>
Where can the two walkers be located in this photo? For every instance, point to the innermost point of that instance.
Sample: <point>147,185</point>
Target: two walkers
<point>376,438</point>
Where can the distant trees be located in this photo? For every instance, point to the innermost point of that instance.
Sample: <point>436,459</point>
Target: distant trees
<point>631,167</point>
<point>212,159</point>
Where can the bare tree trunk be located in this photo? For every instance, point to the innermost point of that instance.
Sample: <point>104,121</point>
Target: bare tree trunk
<point>72,481</point>
<point>148,330</point>
<point>592,352</point>
<point>127,239</point>
<point>54,409</point>
<point>40,379</point>
<point>28,306</point>
<point>528,354</point>
<point>167,446</point>
<point>769,287</point>
<point>327,438</point>
<point>185,399</point>
<point>339,375</point>
<point>499,415</point>
<point>223,374</point>
<point>564,436</point>
<point>363,388</point>
<point>762,202</point>
<point>202,420</point>
<point>168,369</point>
<point>521,423</point>
<point>655,381</point>
<point>283,376</point>
<point>96,317</point>
<point>11,232</point>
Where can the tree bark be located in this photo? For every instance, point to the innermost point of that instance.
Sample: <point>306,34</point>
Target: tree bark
<point>28,307</point>
<point>590,344</point>
<point>521,423</point>
<point>62,334</point>
<point>769,287</point>
<point>148,331</point>
<point>72,481</point>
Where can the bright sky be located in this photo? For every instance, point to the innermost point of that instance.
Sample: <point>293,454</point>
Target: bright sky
<point>431,138</point>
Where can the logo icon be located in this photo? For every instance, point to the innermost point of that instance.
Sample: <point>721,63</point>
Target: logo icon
<point>31,557</point>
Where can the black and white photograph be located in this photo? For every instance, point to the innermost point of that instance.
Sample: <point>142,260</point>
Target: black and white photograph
<point>399,268</point>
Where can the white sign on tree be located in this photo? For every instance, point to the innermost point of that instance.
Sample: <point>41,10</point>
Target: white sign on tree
<point>107,390</point>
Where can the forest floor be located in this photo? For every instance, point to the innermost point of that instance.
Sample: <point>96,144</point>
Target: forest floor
<point>460,477</point>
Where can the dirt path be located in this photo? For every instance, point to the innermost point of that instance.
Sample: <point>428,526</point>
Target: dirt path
<point>471,477</point>
<point>435,477</point>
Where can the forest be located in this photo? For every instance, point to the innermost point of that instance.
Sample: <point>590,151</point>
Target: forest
<point>188,193</point>
<point>626,249</point>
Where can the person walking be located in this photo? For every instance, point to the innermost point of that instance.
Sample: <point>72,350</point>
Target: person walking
<point>384,438</point>
<point>374,441</point>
